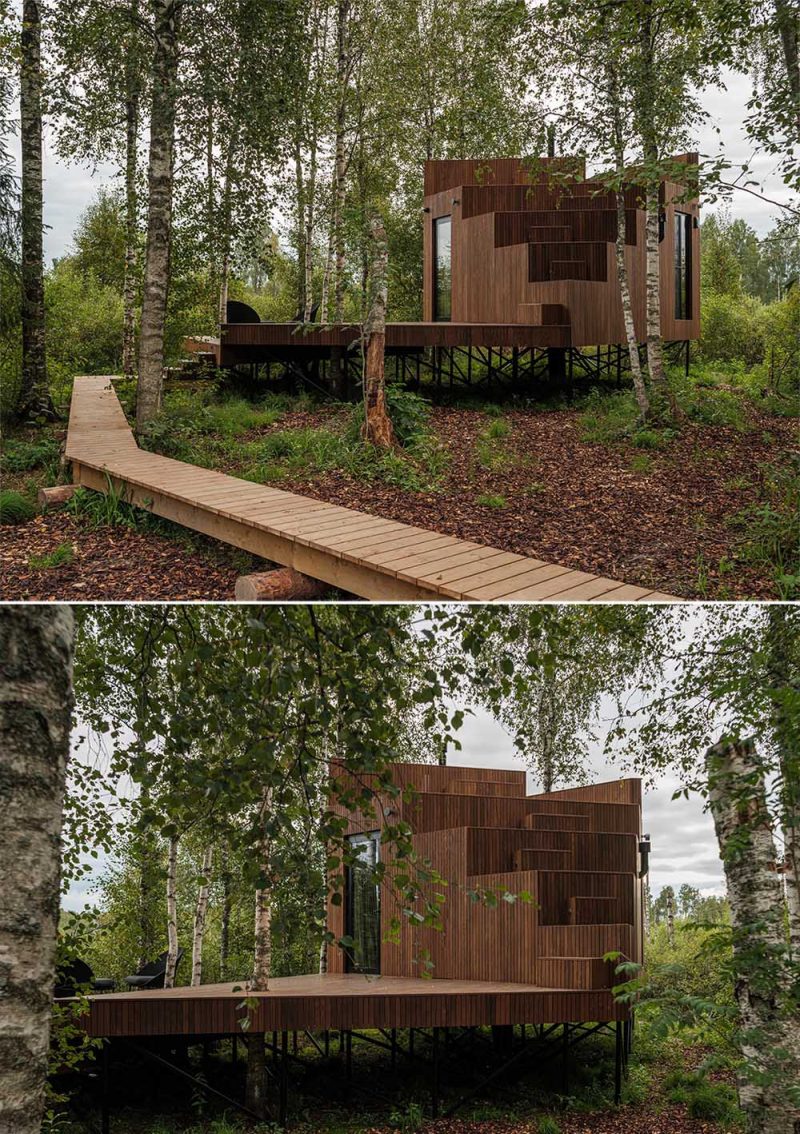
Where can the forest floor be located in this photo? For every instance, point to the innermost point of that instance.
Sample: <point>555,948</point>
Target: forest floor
<point>697,513</point>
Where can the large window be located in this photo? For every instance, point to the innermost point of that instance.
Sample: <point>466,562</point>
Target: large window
<point>442,279</point>
<point>363,906</point>
<point>683,266</point>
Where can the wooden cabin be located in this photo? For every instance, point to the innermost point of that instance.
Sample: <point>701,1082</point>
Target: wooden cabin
<point>504,246</point>
<point>578,853</point>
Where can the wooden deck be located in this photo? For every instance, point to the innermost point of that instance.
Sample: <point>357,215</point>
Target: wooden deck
<point>342,1001</point>
<point>362,554</point>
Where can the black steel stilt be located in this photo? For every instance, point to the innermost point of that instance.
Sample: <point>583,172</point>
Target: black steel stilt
<point>435,1076</point>
<point>327,1042</point>
<point>394,1047</point>
<point>105,1112</point>
<point>234,1050</point>
<point>410,1043</point>
<point>348,1055</point>
<point>565,1059</point>
<point>284,1079</point>
<point>618,1065</point>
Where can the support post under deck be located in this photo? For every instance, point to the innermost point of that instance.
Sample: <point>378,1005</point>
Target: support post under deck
<point>435,1076</point>
<point>618,1065</point>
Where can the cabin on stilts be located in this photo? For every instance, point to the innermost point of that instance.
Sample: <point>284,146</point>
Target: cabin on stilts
<point>539,890</point>
<point>519,282</point>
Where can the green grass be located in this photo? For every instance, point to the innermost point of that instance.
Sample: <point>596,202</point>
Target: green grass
<point>23,456</point>
<point>490,451</point>
<point>490,501</point>
<point>62,555</point>
<point>641,463</point>
<point>770,528</point>
<point>15,508</point>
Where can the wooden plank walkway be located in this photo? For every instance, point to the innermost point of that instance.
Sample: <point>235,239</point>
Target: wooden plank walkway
<point>364,555</point>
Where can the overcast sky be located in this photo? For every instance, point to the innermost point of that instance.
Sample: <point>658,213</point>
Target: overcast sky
<point>70,188</point>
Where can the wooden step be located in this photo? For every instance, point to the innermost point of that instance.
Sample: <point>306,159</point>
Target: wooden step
<point>556,822</point>
<point>586,910</point>
<point>543,314</point>
<point>574,972</point>
<point>531,858</point>
<point>569,270</point>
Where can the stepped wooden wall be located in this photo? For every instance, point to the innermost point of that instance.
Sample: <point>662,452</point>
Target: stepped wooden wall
<point>526,251</point>
<point>575,852</point>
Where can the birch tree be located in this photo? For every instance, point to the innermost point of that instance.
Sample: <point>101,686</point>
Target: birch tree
<point>164,83</point>
<point>378,428</point>
<point>200,913</point>
<point>36,645</point>
<point>34,401</point>
<point>769,1022</point>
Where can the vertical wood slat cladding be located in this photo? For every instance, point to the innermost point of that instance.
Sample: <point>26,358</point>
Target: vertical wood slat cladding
<point>580,866</point>
<point>516,244</point>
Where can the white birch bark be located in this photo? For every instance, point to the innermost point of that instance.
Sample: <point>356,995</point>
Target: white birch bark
<point>769,1032</point>
<point>131,203</point>
<point>255,1088</point>
<point>33,400</point>
<point>201,910</point>
<point>159,212</point>
<point>36,645</point>
<point>671,917</point>
<point>172,913</point>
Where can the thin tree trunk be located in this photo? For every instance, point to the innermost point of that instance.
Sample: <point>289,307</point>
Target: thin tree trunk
<point>769,1035</point>
<point>225,915</point>
<point>34,401</point>
<point>262,956</point>
<point>340,169</point>
<point>378,429</point>
<point>131,206</point>
<point>159,212</point>
<point>299,185</point>
<point>36,644</point>
<point>627,313</point>
<point>670,902</point>
<point>310,222</point>
<point>172,913</point>
<point>546,725</point>
<point>200,912</point>
<point>788,20</point>
<point>150,882</point>
<point>783,643</point>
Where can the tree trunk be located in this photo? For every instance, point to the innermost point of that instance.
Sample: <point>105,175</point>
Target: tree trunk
<point>225,915</point>
<point>36,644</point>
<point>34,400</point>
<point>378,429</point>
<point>262,956</point>
<point>788,21</point>
<point>546,726</point>
<point>340,168</point>
<point>769,1035</point>
<point>201,909</point>
<point>783,644</point>
<point>627,312</point>
<point>670,903</point>
<point>299,186</point>
<point>131,206</point>
<point>150,892</point>
<point>159,211</point>
<point>172,913</point>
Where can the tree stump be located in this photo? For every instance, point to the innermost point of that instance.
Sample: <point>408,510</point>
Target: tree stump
<point>277,586</point>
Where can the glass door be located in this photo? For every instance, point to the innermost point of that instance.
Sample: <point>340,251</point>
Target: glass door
<point>683,265</point>
<point>442,277</point>
<point>363,906</point>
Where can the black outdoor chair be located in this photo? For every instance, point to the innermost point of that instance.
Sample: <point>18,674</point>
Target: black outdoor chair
<point>77,974</point>
<point>312,317</point>
<point>238,312</point>
<point>152,975</point>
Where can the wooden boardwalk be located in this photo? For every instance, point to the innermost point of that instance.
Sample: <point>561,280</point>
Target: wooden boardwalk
<point>362,554</point>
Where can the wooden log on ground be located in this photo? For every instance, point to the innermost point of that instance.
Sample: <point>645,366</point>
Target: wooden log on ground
<point>278,585</point>
<point>54,497</point>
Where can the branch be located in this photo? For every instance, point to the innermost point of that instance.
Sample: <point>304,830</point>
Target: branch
<point>761,197</point>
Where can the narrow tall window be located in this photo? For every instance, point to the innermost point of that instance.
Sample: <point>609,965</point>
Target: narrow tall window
<point>442,278</point>
<point>363,906</point>
<point>683,266</point>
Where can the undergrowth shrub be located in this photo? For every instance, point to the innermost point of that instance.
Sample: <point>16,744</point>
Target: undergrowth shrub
<point>732,329</point>
<point>15,508</point>
<point>771,526</point>
<point>23,456</point>
<point>60,557</point>
<point>407,411</point>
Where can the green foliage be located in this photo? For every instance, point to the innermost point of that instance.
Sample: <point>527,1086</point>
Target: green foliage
<point>15,508</point>
<point>411,1118</point>
<point>407,411</point>
<point>641,463</point>
<point>703,1098</point>
<point>22,456</point>
<point>732,329</point>
<point>60,557</point>
<point>109,507</point>
<point>647,439</point>
<point>491,501</point>
<point>770,527</point>
<point>547,1125</point>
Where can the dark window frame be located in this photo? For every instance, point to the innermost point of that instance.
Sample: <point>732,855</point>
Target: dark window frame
<point>682,264</point>
<point>352,962</point>
<point>438,222</point>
